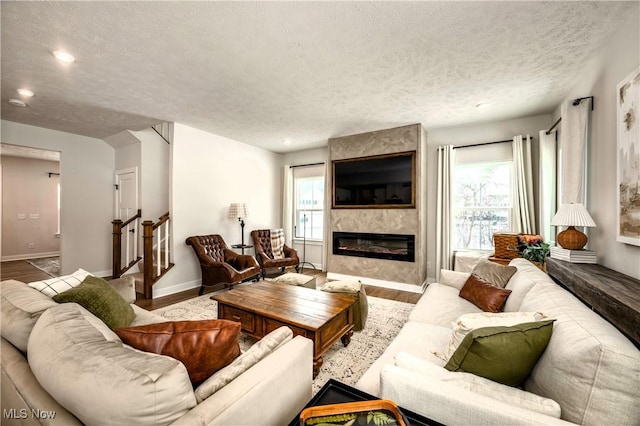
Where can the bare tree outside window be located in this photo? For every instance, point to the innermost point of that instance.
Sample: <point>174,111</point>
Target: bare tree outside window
<point>482,204</point>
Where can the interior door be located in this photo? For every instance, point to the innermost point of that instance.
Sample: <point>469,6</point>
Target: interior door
<point>127,206</point>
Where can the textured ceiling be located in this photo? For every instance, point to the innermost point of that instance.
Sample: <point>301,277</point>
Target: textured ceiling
<point>262,72</point>
<point>25,152</point>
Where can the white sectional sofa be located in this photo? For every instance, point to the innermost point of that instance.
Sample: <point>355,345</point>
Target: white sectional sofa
<point>589,373</point>
<point>61,365</point>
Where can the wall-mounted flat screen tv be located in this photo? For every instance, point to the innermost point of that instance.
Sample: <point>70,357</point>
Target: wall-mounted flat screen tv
<point>380,181</point>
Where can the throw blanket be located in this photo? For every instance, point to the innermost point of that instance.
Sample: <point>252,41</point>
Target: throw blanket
<point>277,243</point>
<point>361,308</point>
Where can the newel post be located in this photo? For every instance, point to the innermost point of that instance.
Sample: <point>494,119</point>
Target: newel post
<point>147,241</point>
<point>116,261</point>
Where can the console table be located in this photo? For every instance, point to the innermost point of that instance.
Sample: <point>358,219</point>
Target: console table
<point>615,296</point>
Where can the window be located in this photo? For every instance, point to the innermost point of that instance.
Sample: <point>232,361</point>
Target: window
<point>481,203</point>
<point>309,207</point>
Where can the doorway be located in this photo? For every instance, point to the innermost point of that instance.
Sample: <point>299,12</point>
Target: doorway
<point>126,205</point>
<point>31,211</point>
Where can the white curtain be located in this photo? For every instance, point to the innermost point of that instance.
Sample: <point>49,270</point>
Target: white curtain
<point>547,175</point>
<point>523,207</point>
<point>444,255</point>
<point>287,204</point>
<point>573,141</point>
<point>328,238</point>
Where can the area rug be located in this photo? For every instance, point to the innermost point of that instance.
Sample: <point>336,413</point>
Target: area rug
<point>347,365</point>
<point>48,265</point>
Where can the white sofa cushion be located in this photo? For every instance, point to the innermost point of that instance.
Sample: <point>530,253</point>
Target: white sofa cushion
<point>87,369</point>
<point>454,279</point>
<point>589,367</point>
<point>527,276</point>
<point>20,308</point>
<point>441,305</point>
<point>451,405</point>
<point>57,285</point>
<point>473,383</point>
<point>418,339</point>
<point>126,287</point>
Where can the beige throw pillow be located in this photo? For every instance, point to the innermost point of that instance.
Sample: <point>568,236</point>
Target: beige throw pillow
<point>342,286</point>
<point>57,285</point>
<point>494,273</point>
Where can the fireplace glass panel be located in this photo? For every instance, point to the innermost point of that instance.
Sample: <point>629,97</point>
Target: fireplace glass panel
<point>378,246</point>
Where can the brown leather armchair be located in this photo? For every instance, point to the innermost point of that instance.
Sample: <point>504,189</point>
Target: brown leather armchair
<point>264,252</point>
<point>220,264</point>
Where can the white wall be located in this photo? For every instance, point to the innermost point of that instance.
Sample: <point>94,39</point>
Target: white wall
<point>618,59</point>
<point>128,157</point>
<point>86,178</point>
<point>28,190</point>
<point>318,155</point>
<point>154,174</point>
<point>210,172</point>
<point>467,135</point>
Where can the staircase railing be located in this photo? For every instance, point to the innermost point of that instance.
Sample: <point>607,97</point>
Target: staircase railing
<point>164,130</point>
<point>131,251</point>
<point>155,255</point>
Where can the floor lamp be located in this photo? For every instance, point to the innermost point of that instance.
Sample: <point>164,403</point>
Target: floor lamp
<point>304,244</point>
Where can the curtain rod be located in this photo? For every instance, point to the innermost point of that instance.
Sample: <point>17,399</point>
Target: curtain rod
<point>486,143</point>
<point>307,165</point>
<point>575,102</point>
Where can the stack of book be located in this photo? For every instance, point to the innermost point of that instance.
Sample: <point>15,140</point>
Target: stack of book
<point>573,256</point>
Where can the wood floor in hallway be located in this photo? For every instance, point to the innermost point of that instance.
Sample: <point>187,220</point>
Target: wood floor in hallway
<point>23,271</point>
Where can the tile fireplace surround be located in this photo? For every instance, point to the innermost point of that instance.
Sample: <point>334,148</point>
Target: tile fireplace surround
<point>385,272</point>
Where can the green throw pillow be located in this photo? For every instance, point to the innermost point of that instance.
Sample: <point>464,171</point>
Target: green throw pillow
<point>502,354</point>
<point>98,297</point>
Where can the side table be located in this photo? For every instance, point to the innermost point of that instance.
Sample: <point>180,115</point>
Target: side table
<point>241,246</point>
<point>335,392</point>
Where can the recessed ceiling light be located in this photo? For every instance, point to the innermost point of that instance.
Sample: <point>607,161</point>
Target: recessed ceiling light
<point>286,141</point>
<point>26,92</point>
<point>482,105</point>
<point>64,56</point>
<point>17,102</point>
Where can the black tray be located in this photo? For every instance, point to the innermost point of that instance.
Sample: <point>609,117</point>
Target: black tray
<point>335,392</point>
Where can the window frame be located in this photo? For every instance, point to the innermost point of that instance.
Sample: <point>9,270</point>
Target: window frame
<point>297,211</point>
<point>478,208</point>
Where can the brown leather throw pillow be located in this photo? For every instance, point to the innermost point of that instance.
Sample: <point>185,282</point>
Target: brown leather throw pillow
<point>485,296</point>
<point>204,347</point>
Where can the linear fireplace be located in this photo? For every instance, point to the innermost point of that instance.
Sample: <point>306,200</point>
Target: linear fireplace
<point>379,246</point>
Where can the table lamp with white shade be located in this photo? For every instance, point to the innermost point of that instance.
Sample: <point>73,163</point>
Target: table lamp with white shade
<point>572,215</point>
<point>239,211</point>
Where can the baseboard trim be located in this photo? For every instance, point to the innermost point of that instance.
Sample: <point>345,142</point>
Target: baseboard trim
<point>411,288</point>
<point>29,256</point>
<point>176,288</point>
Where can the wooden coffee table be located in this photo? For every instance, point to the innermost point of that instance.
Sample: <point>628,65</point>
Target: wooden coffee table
<point>265,306</point>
